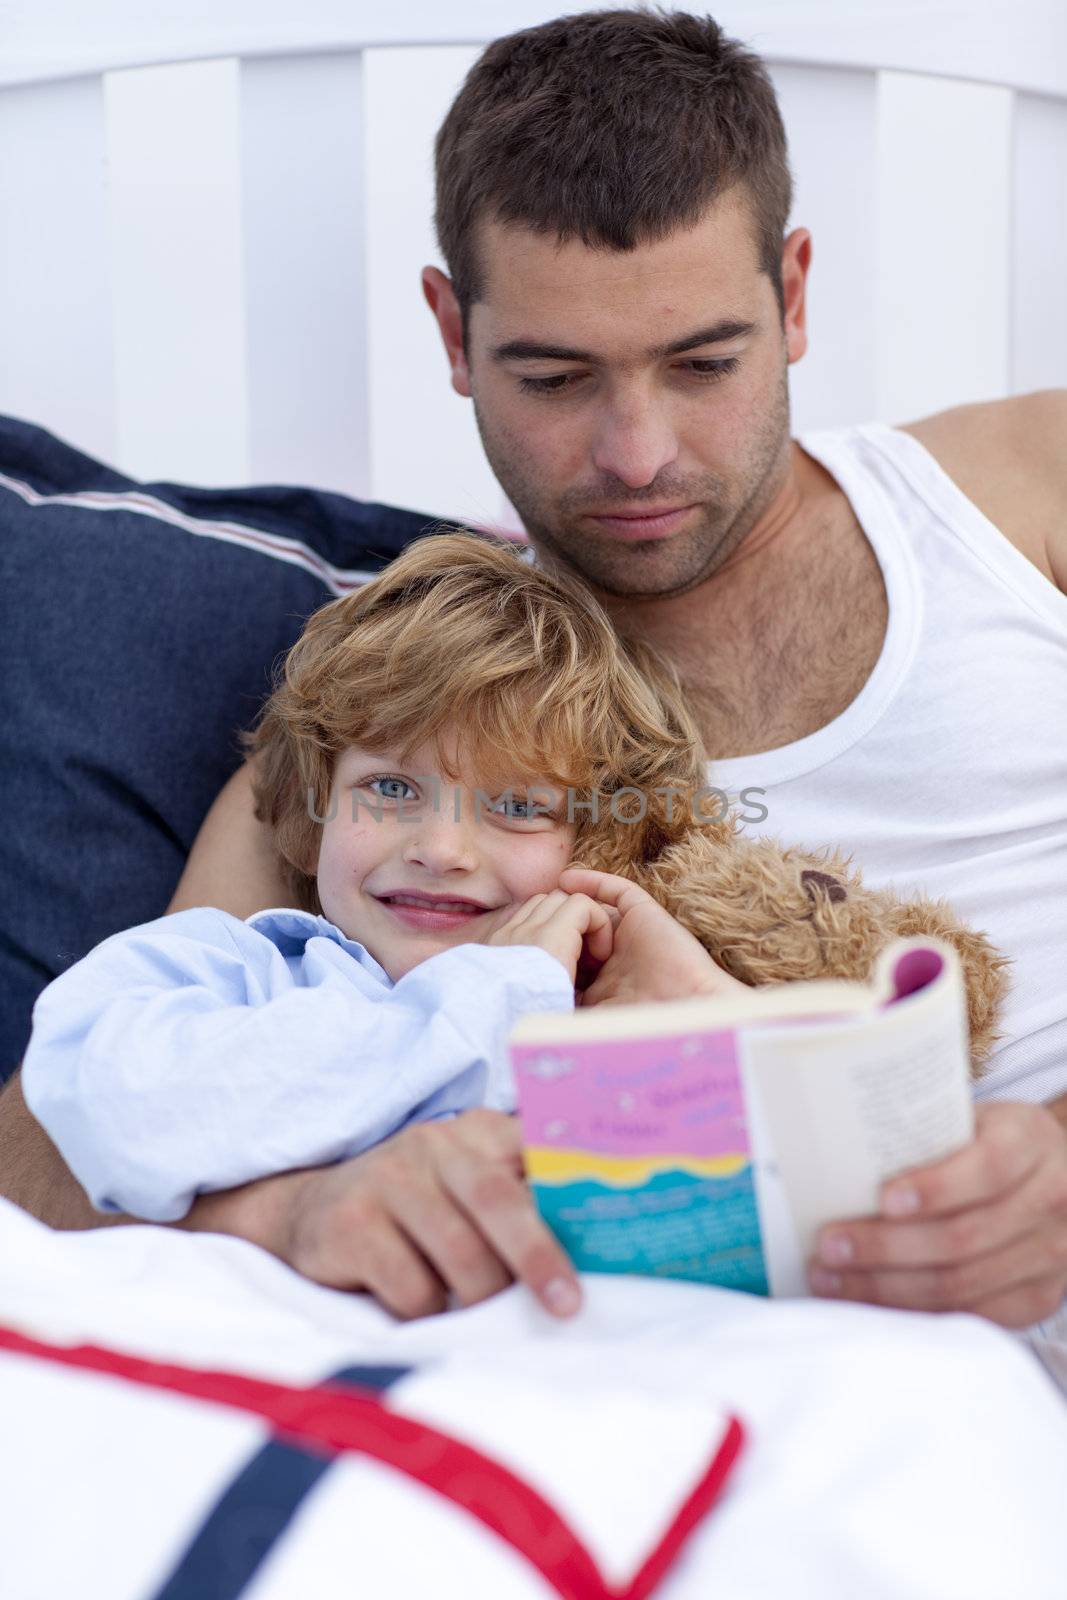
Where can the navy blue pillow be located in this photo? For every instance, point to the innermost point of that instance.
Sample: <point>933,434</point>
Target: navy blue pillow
<point>139,624</point>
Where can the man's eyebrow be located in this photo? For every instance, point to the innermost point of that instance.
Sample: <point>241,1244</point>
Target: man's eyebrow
<point>534,350</point>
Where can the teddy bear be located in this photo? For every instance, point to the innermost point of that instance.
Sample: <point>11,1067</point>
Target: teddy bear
<point>770,913</point>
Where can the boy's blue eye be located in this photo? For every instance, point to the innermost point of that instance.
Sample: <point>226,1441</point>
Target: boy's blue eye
<point>522,815</point>
<point>385,794</point>
<point>505,802</point>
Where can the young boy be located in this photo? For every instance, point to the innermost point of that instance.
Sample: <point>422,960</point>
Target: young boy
<point>428,765</point>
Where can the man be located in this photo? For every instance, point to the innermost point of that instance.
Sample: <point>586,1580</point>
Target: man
<point>622,309</point>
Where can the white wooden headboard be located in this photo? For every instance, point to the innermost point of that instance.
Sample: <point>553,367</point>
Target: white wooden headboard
<point>212,224</point>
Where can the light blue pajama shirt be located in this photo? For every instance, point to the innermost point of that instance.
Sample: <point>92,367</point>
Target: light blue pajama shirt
<point>199,1052</point>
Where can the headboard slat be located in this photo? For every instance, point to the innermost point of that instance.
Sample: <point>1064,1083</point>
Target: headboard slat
<point>224,286</point>
<point>57,361</point>
<point>1020,43</point>
<point>831,118</point>
<point>944,180</point>
<point>1039,244</point>
<point>174,195</point>
<point>302,154</point>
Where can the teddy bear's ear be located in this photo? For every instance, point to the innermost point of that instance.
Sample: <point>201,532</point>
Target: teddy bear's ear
<point>814,881</point>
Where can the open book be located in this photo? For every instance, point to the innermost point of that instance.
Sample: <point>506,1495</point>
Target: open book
<point>711,1138</point>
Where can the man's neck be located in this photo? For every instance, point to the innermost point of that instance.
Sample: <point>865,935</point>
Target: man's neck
<point>678,624</point>
<point>750,641</point>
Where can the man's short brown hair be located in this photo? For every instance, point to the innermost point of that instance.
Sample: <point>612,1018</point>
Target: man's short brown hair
<point>461,634</point>
<point>612,127</point>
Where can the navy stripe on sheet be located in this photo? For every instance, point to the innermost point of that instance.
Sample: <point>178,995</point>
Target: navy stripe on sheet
<point>251,1515</point>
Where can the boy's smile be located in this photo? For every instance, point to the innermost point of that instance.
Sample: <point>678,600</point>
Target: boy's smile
<point>412,861</point>
<point>434,914</point>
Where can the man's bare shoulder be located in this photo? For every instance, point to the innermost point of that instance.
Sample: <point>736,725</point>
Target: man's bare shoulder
<point>1010,457</point>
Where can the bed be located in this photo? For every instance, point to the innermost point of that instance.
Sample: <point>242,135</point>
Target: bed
<point>202,1424</point>
<point>210,231</point>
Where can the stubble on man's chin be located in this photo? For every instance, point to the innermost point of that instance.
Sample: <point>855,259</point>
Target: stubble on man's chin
<point>650,570</point>
<point>653,569</point>
<point>622,570</point>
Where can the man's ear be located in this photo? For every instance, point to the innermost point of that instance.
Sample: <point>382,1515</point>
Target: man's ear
<point>442,301</point>
<point>796,260</point>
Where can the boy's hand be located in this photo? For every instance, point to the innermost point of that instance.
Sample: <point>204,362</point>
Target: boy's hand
<point>652,957</point>
<point>561,923</point>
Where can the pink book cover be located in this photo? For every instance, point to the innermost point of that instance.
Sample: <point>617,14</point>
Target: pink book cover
<point>638,1155</point>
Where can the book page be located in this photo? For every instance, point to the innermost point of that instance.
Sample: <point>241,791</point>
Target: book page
<point>782,1257</point>
<point>832,997</point>
<point>843,1106</point>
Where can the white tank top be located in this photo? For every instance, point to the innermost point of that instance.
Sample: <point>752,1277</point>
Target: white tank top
<point>948,772</point>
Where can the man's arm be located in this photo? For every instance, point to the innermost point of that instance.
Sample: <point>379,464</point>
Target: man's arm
<point>233,863</point>
<point>440,1208</point>
<point>1058,1108</point>
<point>1010,458</point>
<point>34,1175</point>
<point>1056,444</point>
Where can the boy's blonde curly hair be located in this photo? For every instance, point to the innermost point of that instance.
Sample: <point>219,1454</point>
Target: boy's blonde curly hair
<point>461,634</point>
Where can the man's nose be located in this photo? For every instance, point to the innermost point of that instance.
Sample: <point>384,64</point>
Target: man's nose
<point>634,441</point>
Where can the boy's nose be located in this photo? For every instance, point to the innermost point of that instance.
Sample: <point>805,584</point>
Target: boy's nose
<point>442,843</point>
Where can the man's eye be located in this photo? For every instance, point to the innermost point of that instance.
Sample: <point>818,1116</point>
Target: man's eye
<point>705,371</point>
<point>720,368</point>
<point>554,385</point>
<point>387,794</point>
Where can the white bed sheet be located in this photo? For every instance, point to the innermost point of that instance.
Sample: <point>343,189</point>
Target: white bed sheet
<point>888,1454</point>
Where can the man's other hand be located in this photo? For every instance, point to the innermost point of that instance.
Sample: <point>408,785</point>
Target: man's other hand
<point>984,1230</point>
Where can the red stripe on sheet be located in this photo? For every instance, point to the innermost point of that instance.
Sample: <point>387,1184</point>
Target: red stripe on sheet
<point>347,1420</point>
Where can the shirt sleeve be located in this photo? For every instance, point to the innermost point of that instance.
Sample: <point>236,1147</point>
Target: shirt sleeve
<point>178,1058</point>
